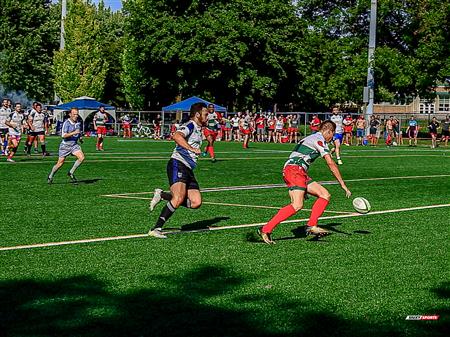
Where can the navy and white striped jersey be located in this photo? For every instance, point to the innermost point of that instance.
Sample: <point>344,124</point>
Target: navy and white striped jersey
<point>38,121</point>
<point>4,113</point>
<point>68,127</point>
<point>192,133</point>
<point>16,119</point>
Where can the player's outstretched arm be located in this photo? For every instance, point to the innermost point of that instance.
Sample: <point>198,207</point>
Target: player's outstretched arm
<point>335,170</point>
<point>178,137</point>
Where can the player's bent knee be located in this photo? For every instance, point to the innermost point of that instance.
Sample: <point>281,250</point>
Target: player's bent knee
<point>325,195</point>
<point>297,206</point>
<point>176,201</point>
<point>196,204</point>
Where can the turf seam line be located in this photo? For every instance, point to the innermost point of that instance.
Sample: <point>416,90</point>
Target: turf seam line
<point>250,187</point>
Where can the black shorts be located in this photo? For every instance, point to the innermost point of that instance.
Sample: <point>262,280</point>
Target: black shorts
<point>178,172</point>
<point>38,133</point>
<point>3,132</point>
<point>373,131</point>
<point>445,133</point>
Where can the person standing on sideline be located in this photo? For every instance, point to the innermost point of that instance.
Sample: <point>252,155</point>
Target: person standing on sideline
<point>100,120</point>
<point>337,119</point>
<point>184,188</point>
<point>360,130</point>
<point>295,174</point>
<point>445,130</point>
<point>433,127</point>
<point>71,135</point>
<point>412,131</point>
<point>314,124</point>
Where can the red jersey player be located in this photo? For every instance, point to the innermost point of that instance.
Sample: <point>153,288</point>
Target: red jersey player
<point>211,130</point>
<point>295,174</point>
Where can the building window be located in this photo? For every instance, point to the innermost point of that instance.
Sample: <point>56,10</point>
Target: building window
<point>444,104</point>
<point>427,107</point>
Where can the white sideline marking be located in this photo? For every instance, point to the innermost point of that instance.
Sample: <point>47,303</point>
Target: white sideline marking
<point>352,215</point>
<point>255,187</point>
<point>113,238</point>
<point>228,204</point>
<point>137,159</point>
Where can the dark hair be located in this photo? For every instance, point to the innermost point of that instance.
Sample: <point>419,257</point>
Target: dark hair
<point>38,104</point>
<point>73,108</point>
<point>196,107</point>
<point>327,125</point>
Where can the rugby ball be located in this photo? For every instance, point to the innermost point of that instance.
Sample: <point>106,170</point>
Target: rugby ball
<point>361,205</point>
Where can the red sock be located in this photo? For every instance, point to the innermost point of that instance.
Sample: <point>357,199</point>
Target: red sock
<point>206,148</point>
<point>317,211</point>
<point>211,151</point>
<point>283,214</point>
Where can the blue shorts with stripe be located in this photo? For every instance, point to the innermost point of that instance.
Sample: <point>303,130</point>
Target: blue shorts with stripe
<point>178,172</point>
<point>338,136</point>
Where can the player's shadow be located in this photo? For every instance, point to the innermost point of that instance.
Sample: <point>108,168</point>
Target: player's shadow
<point>203,224</point>
<point>86,181</point>
<point>203,301</point>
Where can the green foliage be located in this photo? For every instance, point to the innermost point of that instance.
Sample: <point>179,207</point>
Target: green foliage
<point>81,68</point>
<point>28,35</point>
<point>236,52</point>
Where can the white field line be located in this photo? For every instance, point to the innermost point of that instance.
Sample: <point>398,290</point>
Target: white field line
<point>352,215</point>
<point>255,187</point>
<point>137,159</point>
<point>347,150</point>
<point>134,236</point>
<point>228,204</point>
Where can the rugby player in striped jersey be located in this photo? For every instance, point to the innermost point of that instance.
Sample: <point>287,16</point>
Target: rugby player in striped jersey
<point>71,134</point>
<point>184,188</point>
<point>295,174</point>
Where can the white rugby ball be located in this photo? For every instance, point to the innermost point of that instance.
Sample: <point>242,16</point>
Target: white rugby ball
<point>361,205</point>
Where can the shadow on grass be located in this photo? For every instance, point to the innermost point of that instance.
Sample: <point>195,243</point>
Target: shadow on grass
<point>78,182</point>
<point>204,224</point>
<point>208,301</point>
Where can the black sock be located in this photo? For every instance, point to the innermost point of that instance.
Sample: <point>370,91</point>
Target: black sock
<point>166,213</point>
<point>29,148</point>
<point>166,196</point>
<point>43,149</point>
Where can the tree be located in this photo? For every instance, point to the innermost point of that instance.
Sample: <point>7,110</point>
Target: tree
<point>240,53</point>
<point>81,68</point>
<point>28,35</point>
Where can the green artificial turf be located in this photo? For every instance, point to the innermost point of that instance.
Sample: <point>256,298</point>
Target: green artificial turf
<point>362,280</point>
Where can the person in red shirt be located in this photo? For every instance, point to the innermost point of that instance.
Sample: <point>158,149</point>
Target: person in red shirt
<point>314,124</point>
<point>348,130</point>
<point>260,128</point>
<point>271,126</point>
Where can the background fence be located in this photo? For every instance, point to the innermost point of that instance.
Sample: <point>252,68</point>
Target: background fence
<point>142,121</point>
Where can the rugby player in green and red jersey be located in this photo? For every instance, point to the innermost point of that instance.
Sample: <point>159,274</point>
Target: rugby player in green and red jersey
<point>295,174</point>
<point>211,130</point>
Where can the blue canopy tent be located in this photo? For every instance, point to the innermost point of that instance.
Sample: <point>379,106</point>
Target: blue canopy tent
<point>186,105</point>
<point>86,106</point>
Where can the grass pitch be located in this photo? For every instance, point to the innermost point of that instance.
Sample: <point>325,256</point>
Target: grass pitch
<point>363,280</point>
